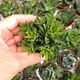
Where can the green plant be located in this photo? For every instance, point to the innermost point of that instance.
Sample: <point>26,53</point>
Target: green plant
<point>51,33</point>
<point>43,36</point>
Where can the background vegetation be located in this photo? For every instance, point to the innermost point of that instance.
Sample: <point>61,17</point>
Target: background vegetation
<point>55,35</point>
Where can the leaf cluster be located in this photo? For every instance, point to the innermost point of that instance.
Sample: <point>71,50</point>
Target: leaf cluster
<point>43,36</point>
<point>36,7</point>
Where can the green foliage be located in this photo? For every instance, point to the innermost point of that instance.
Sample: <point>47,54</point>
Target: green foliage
<point>70,77</point>
<point>28,7</point>
<point>66,16</point>
<point>71,38</point>
<point>51,72</point>
<point>47,35</point>
<point>43,36</point>
<point>8,7</point>
<point>17,77</point>
<point>77,6</point>
<point>69,60</point>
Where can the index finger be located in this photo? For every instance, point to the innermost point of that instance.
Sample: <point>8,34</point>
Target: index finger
<point>13,21</point>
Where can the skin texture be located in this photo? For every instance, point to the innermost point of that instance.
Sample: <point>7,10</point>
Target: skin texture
<point>12,60</point>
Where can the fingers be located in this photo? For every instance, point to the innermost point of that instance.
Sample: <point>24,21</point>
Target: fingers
<point>18,38</point>
<point>13,48</point>
<point>20,49</point>
<point>15,40</point>
<point>6,35</point>
<point>15,31</point>
<point>13,21</point>
<point>26,60</point>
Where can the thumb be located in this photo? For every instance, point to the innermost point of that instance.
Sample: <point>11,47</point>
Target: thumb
<point>26,60</point>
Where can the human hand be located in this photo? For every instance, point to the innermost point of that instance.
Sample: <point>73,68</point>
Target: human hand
<point>12,60</point>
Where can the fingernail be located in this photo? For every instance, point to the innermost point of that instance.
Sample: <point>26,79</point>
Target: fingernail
<point>34,17</point>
